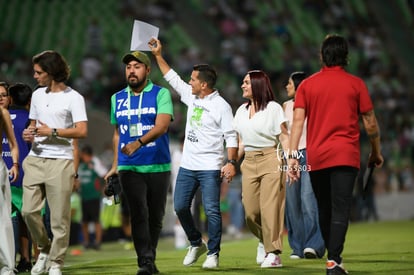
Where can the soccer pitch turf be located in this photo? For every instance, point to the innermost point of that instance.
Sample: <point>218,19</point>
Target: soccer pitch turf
<point>370,248</point>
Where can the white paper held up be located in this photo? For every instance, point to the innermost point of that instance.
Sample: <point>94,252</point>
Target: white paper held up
<point>142,33</point>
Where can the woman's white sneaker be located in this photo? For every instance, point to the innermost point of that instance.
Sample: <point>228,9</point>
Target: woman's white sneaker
<point>272,260</point>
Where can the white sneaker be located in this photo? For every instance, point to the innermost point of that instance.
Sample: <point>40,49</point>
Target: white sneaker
<point>271,260</point>
<point>261,254</point>
<point>55,270</point>
<point>294,257</point>
<point>194,252</point>
<point>6,271</point>
<point>40,266</point>
<point>310,253</point>
<point>212,261</point>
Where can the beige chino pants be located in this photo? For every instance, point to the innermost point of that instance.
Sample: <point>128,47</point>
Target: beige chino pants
<point>53,179</point>
<point>263,196</point>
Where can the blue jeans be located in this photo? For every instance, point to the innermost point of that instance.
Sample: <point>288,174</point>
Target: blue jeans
<point>236,208</point>
<point>301,214</point>
<point>16,232</point>
<point>188,182</point>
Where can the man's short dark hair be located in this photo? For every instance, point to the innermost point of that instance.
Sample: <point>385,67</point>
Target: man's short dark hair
<point>21,94</point>
<point>87,149</point>
<point>207,74</point>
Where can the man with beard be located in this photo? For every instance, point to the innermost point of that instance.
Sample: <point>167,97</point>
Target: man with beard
<point>142,113</point>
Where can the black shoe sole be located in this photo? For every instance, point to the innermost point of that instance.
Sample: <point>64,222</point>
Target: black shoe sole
<point>144,272</point>
<point>24,267</point>
<point>309,255</point>
<point>336,271</point>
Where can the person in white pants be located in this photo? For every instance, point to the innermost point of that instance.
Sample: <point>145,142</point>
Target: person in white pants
<point>6,228</point>
<point>7,249</point>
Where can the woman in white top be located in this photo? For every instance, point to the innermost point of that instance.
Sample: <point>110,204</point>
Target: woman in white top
<point>301,212</point>
<point>260,124</point>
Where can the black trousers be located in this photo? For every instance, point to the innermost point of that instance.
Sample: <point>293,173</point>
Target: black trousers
<point>333,189</point>
<point>146,196</point>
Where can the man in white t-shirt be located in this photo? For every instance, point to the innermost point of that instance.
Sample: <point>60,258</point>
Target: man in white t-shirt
<point>209,125</point>
<point>57,117</point>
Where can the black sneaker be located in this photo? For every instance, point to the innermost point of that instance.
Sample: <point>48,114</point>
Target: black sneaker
<point>332,268</point>
<point>24,266</point>
<point>156,271</point>
<point>96,246</point>
<point>146,269</point>
<point>310,253</point>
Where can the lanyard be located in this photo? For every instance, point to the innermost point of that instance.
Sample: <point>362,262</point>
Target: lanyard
<point>128,90</point>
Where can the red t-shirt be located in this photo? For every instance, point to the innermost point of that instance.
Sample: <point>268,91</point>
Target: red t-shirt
<point>333,100</point>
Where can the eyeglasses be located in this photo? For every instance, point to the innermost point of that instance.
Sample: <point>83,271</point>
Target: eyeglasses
<point>3,95</point>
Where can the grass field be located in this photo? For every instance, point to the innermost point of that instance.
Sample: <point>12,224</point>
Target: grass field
<point>370,248</point>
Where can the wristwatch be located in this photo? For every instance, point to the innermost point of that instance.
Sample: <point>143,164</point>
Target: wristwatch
<point>54,132</point>
<point>232,161</point>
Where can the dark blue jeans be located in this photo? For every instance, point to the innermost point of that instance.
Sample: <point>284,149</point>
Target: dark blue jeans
<point>301,214</point>
<point>333,189</point>
<point>16,220</point>
<point>188,182</point>
<point>20,230</point>
<point>236,208</point>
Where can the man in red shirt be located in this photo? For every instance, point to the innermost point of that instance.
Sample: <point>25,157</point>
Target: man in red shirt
<point>332,100</point>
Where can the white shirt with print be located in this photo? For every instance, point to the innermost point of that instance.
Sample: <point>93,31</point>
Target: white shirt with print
<point>209,125</point>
